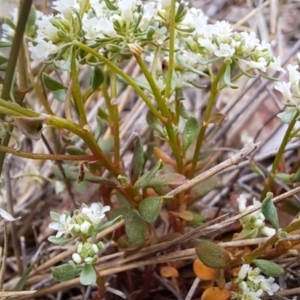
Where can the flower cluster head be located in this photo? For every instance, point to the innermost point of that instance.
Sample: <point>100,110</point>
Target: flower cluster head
<point>110,26</point>
<point>87,252</point>
<point>83,222</point>
<point>254,223</point>
<point>252,284</point>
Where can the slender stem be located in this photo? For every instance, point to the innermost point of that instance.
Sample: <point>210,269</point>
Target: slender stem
<point>165,111</point>
<point>115,118</point>
<point>129,80</point>
<point>56,157</point>
<point>278,156</point>
<point>11,64</point>
<point>171,49</point>
<point>214,91</point>
<point>76,90</point>
<point>89,139</point>
<point>18,110</point>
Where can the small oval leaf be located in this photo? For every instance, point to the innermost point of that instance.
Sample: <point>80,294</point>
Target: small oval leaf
<point>269,210</point>
<point>213,255</point>
<point>268,267</point>
<point>88,275</point>
<point>64,272</point>
<point>137,161</point>
<point>190,133</point>
<point>59,241</point>
<point>135,228</point>
<point>149,208</point>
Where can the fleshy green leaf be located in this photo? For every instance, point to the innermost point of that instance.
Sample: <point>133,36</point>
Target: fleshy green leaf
<point>88,275</point>
<point>59,241</point>
<point>3,60</point>
<point>110,6</point>
<point>269,210</point>
<point>268,267</point>
<point>56,87</point>
<point>74,150</point>
<point>170,179</point>
<point>54,216</point>
<point>227,77</point>
<point>64,272</point>
<point>154,123</point>
<point>135,228</point>
<point>190,133</point>
<point>287,116</point>
<point>98,78</point>
<point>145,178</point>
<point>137,161</point>
<point>212,255</point>
<point>184,112</point>
<point>149,208</point>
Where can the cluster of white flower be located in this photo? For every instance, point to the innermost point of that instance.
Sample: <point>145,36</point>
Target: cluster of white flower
<point>87,252</point>
<point>254,223</point>
<point>113,24</point>
<point>83,224</point>
<point>83,220</point>
<point>252,285</point>
<point>292,88</point>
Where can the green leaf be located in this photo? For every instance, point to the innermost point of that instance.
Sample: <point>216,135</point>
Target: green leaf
<point>145,178</point>
<point>74,150</point>
<point>98,78</point>
<point>3,60</point>
<point>56,87</point>
<point>88,275</point>
<point>59,241</point>
<point>227,77</point>
<point>4,44</point>
<point>181,12</point>
<point>190,133</point>
<point>170,179</point>
<point>110,6</point>
<point>135,228</point>
<point>204,187</point>
<point>64,272</point>
<point>269,210</point>
<point>183,112</point>
<point>149,208</point>
<point>287,116</point>
<point>54,216</point>
<point>212,255</point>
<point>268,267</point>
<point>137,161</point>
<point>287,178</point>
<point>154,123</point>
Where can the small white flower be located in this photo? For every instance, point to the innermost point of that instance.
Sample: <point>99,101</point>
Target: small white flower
<point>64,226</point>
<point>244,271</point>
<point>95,213</point>
<point>65,7</point>
<point>85,227</point>
<point>164,4</point>
<point>207,44</point>
<point>285,89</point>
<point>242,200</point>
<point>269,286</point>
<point>294,74</point>
<point>127,7</point>
<point>160,35</point>
<point>42,50</point>
<point>150,10</point>
<point>254,275</point>
<point>275,65</point>
<point>95,248</point>
<point>224,51</point>
<point>267,231</point>
<point>260,64</point>
<point>77,258</point>
<point>45,28</point>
